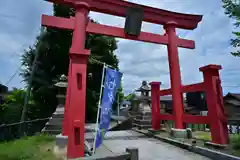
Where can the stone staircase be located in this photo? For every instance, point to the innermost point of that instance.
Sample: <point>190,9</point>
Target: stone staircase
<point>54,125</point>
<point>142,120</point>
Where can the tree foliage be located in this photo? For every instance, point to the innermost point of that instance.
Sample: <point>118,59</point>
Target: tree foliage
<point>12,106</point>
<point>53,61</point>
<point>232,9</point>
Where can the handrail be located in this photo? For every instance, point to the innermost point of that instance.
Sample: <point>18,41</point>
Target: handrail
<point>17,123</point>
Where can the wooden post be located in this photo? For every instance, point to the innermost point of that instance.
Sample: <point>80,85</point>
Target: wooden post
<point>133,153</point>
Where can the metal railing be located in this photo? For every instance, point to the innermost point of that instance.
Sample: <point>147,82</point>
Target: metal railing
<point>19,129</point>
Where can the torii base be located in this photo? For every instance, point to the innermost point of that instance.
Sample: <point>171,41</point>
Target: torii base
<point>62,142</point>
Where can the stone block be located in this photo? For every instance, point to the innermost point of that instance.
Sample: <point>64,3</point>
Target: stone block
<point>133,153</point>
<point>61,141</point>
<point>181,133</point>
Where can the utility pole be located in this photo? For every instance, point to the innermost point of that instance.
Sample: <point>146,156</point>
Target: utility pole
<point>24,110</point>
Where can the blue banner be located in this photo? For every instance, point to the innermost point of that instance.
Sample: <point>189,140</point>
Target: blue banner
<point>111,85</point>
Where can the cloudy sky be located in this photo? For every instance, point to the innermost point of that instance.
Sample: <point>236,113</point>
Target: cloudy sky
<point>20,23</point>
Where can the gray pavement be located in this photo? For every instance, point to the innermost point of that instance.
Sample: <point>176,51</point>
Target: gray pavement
<point>149,148</point>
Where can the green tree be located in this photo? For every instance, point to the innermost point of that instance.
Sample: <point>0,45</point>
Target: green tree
<point>130,97</point>
<point>54,59</point>
<point>232,9</point>
<point>11,108</point>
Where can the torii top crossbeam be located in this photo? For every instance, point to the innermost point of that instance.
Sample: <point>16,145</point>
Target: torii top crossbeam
<point>152,15</point>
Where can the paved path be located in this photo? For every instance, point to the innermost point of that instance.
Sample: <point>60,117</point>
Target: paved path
<point>149,148</point>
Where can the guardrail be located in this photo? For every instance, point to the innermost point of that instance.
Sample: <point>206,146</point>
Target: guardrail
<point>17,130</point>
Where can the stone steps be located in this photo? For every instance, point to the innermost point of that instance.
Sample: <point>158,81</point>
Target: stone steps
<point>60,115</point>
<point>54,125</point>
<point>142,120</point>
<point>141,127</point>
<point>55,121</point>
<point>51,132</point>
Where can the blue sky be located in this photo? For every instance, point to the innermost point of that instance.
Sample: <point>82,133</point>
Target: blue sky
<point>138,61</point>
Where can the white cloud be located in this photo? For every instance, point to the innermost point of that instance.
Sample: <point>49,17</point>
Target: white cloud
<point>139,61</point>
<point>18,30</point>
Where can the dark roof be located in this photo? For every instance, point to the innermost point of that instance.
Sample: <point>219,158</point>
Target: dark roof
<point>3,88</point>
<point>233,102</point>
<point>232,98</point>
<point>232,95</point>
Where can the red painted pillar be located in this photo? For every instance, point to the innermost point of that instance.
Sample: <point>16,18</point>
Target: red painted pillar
<point>77,91</point>
<point>218,121</point>
<point>175,74</point>
<point>155,88</point>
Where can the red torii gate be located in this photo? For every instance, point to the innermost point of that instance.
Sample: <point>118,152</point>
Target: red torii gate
<point>74,116</point>
<point>216,117</point>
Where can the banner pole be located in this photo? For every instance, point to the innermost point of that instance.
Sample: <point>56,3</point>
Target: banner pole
<point>99,107</point>
<point>118,106</point>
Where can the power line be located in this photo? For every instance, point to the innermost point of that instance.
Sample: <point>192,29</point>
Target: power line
<point>5,16</point>
<point>11,78</point>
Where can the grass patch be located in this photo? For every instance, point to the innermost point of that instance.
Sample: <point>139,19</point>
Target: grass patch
<point>28,148</point>
<point>205,136</point>
<point>234,140</point>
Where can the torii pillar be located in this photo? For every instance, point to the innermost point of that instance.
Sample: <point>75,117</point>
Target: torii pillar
<point>175,74</point>
<point>77,87</point>
<point>74,115</point>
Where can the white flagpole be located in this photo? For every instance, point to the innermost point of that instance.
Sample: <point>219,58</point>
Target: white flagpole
<point>118,106</point>
<point>99,107</point>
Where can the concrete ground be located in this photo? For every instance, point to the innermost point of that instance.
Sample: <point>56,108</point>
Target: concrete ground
<point>149,148</point>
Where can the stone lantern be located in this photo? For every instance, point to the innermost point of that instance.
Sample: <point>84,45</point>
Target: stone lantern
<point>54,125</point>
<point>61,94</point>
<point>144,99</point>
<point>143,117</point>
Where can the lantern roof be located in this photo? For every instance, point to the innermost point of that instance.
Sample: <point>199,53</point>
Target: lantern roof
<point>62,82</point>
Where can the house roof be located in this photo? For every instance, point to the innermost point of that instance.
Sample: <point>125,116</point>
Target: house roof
<point>232,95</point>
<point>3,88</point>
<point>232,98</point>
<point>233,102</point>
